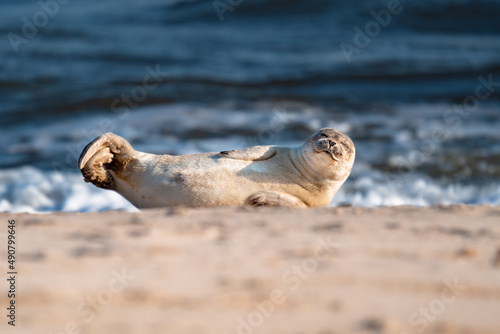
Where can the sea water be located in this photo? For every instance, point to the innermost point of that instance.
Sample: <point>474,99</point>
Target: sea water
<point>417,90</point>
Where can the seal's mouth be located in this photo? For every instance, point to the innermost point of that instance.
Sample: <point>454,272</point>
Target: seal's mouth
<point>330,147</point>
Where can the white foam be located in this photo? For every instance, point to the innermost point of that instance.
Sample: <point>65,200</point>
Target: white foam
<point>29,189</point>
<point>373,188</point>
<point>162,129</point>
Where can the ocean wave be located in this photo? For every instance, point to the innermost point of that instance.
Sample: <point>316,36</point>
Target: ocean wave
<point>28,189</point>
<point>373,188</point>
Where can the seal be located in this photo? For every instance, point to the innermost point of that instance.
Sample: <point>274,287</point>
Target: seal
<point>306,176</point>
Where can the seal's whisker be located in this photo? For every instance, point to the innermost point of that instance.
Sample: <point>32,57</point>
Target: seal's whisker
<point>334,157</point>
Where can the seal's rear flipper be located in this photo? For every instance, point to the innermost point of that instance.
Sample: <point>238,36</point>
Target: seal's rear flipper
<point>276,198</point>
<point>256,153</point>
<point>102,154</point>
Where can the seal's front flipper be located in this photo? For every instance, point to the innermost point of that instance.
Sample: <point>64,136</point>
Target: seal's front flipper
<point>256,153</point>
<point>276,198</point>
<point>106,152</point>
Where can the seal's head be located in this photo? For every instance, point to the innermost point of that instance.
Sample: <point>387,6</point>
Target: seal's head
<point>333,151</point>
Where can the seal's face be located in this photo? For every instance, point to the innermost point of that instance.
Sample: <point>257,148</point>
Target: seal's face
<point>334,151</point>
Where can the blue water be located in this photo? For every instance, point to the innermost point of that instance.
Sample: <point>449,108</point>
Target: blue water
<point>217,84</point>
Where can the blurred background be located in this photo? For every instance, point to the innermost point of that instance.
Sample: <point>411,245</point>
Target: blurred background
<point>416,84</point>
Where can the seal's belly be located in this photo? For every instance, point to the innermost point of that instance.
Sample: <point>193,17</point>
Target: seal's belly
<point>215,183</point>
<point>207,180</point>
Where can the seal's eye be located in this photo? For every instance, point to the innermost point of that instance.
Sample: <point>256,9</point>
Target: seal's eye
<point>323,135</point>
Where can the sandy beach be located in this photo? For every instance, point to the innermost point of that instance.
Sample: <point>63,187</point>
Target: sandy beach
<point>242,270</point>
